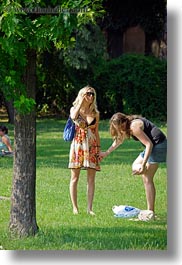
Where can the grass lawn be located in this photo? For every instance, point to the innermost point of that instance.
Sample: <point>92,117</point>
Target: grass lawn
<point>59,229</point>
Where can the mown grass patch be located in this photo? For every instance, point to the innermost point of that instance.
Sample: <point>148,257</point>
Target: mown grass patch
<point>115,185</point>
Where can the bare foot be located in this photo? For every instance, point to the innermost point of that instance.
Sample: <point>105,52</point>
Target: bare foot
<point>91,213</point>
<point>75,211</point>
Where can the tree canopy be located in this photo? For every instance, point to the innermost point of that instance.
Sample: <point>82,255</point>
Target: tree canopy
<point>38,25</point>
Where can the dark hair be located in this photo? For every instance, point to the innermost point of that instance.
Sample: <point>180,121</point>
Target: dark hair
<point>4,129</point>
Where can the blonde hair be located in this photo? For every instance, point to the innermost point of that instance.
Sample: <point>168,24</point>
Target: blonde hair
<point>93,105</point>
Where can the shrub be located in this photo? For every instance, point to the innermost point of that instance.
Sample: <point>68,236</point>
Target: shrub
<point>132,83</point>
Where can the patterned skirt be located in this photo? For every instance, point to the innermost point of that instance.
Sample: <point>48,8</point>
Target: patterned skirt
<point>83,149</point>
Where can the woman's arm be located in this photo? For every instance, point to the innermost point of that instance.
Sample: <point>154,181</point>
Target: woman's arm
<point>74,111</point>
<point>97,131</point>
<point>137,131</point>
<point>6,141</point>
<point>114,145</point>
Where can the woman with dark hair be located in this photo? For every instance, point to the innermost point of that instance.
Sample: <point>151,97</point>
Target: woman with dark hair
<point>5,143</point>
<point>146,164</point>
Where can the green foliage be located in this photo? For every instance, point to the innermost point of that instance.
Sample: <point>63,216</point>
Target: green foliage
<point>29,25</point>
<point>55,91</point>
<point>59,87</point>
<point>11,75</point>
<point>133,84</point>
<point>90,45</point>
<point>24,105</point>
<point>59,228</point>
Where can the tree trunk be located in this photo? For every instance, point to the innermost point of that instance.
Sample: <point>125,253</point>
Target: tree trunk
<point>23,203</point>
<point>10,111</point>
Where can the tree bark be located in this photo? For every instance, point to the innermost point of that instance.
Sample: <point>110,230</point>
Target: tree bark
<point>10,111</point>
<point>23,203</point>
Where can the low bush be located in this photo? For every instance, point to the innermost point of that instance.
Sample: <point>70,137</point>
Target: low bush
<point>132,83</point>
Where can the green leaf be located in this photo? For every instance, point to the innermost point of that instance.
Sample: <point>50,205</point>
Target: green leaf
<point>24,105</point>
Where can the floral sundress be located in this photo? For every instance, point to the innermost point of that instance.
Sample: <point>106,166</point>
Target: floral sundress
<point>83,149</point>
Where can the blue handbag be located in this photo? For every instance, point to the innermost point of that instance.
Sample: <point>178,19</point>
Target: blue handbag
<point>69,130</point>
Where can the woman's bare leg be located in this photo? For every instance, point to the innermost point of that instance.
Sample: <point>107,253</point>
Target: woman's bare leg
<point>73,189</point>
<point>149,185</point>
<point>148,182</point>
<point>90,189</point>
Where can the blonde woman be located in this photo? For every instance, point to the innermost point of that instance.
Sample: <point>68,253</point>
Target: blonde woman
<point>146,164</point>
<point>85,147</point>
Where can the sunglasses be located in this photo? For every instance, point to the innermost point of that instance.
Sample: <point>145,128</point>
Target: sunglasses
<point>90,94</point>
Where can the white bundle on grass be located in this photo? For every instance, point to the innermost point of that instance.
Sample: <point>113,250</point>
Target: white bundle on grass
<point>125,211</point>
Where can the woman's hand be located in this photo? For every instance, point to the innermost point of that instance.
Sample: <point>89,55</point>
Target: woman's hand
<point>102,155</point>
<point>138,169</point>
<point>82,98</point>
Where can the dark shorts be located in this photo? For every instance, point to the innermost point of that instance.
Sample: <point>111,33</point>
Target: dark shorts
<point>159,153</point>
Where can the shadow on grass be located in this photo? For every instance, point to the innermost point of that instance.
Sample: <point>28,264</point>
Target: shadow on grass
<point>131,237</point>
<point>115,238</point>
